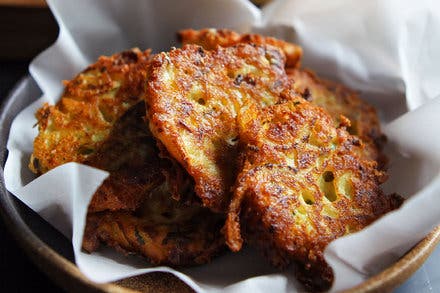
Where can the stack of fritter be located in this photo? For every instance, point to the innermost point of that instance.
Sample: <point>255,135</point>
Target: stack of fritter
<point>227,131</point>
<point>99,121</point>
<point>193,97</point>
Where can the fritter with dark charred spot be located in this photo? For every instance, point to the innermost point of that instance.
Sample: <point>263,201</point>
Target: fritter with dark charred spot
<point>340,101</point>
<point>211,38</point>
<point>302,184</point>
<point>193,97</point>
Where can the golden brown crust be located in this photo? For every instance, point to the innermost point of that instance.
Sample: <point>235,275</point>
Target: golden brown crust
<point>211,38</point>
<point>193,96</point>
<point>341,103</point>
<point>302,184</point>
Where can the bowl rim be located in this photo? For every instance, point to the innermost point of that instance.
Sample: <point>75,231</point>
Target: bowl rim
<point>67,275</point>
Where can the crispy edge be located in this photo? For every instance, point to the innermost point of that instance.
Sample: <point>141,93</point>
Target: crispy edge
<point>346,108</point>
<point>211,38</point>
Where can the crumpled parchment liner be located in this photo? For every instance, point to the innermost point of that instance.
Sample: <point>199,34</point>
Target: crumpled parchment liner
<point>389,50</point>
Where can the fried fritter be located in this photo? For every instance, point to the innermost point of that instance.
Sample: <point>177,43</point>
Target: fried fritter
<point>211,38</point>
<point>92,102</point>
<point>339,100</point>
<point>145,218</point>
<point>163,230</point>
<point>302,184</point>
<point>335,98</point>
<point>193,97</point>
<point>98,122</point>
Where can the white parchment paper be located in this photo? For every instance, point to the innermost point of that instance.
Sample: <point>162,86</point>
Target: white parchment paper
<point>387,49</point>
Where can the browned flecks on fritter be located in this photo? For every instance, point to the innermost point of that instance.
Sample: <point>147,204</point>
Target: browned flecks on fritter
<point>302,183</point>
<point>341,103</point>
<point>193,97</point>
<point>211,38</point>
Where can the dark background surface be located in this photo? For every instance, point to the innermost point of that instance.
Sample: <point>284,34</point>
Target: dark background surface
<point>18,273</point>
<point>24,31</point>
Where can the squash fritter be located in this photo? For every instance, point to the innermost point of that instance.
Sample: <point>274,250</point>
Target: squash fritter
<point>193,97</point>
<point>211,38</point>
<point>98,121</point>
<point>340,102</point>
<point>302,184</point>
<point>163,230</point>
<point>92,102</point>
<point>335,98</point>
